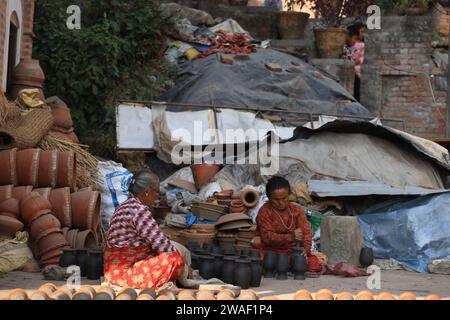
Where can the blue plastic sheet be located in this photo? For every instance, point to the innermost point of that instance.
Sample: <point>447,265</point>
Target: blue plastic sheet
<point>192,219</point>
<point>413,232</point>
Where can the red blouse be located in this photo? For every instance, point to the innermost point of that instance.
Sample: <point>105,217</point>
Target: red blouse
<point>276,228</point>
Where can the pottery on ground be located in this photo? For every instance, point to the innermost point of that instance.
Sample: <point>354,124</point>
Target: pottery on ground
<point>269,264</point>
<point>45,192</point>
<point>21,192</point>
<point>42,224</point>
<point>61,208</point>
<point>150,292</point>
<point>109,291</point>
<point>6,192</point>
<point>51,242</point>
<point>18,294</point>
<point>242,273</point>
<point>61,295</point>
<point>85,210</point>
<point>56,253</point>
<point>48,288</point>
<point>343,296</point>
<point>85,240</point>
<point>366,257</point>
<point>27,164</point>
<point>69,258</point>
<point>94,264</point>
<point>204,173</point>
<point>303,295</point>
<point>8,172</point>
<point>207,267</point>
<point>48,168</point>
<point>9,227</point>
<point>67,170</point>
<point>71,237</point>
<point>32,206</point>
<point>10,207</point>
<point>39,296</point>
<point>29,73</point>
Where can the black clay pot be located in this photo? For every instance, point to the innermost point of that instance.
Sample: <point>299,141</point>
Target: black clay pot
<point>255,254</point>
<point>229,251</point>
<point>299,267</point>
<point>366,257</point>
<point>201,252</point>
<point>82,256</point>
<point>228,269</point>
<point>256,267</point>
<point>242,274</point>
<point>218,265</point>
<point>269,264</point>
<point>94,264</point>
<point>194,261</point>
<point>216,250</point>
<point>282,266</point>
<point>207,264</point>
<point>246,253</point>
<point>68,258</point>
<point>150,292</point>
<point>192,246</point>
<point>207,247</point>
<point>296,251</point>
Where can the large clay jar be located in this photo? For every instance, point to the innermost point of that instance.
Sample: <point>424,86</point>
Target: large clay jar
<point>8,172</point>
<point>85,210</point>
<point>250,198</point>
<point>228,269</point>
<point>69,258</point>
<point>10,208</point>
<point>256,272</point>
<point>48,168</point>
<point>21,192</point>
<point>27,164</point>
<point>299,266</point>
<point>41,226</point>
<point>81,260</point>
<point>366,257</point>
<point>194,261</point>
<point>33,206</point>
<point>207,267</point>
<point>242,274</point>
<point>94,264</point>
<point>282,266</point>
<point>218,265</point>
<point>61,208</point>
<point>67,170</point>
<point>6,192</point>
<point>269,264</point>
<point>204,173</point>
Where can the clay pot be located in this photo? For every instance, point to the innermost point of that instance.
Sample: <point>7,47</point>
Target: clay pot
<point>94,265</point>
<point>42,225</point>
<point>71,237</point>
<point>256,268</point>
<point>18,294</point>
<point>269,264</point>
<point>145,297</point>
<point>109,291</point>
<point>104,296</point>
<point>51,255</point>
<point>186,293</point>
<point>218,265</point>
<point>85,210</point>
<point>27,164</point>
<point>81,261</point>
<point>366,257</point>
<point>48,168</point>
<point>60,201</point>
<point>225,194</point>
<point>69,258</point>
<point>21,192</point>
<point>45,192</point>
<point>40,296</point>
<point>225,294</point>
<point>204,173</point>
<point>87,289</point>
<point>329,42</point>
<point>6,192</point>
<point>150,292</point>
<point>364,295</point>
<point>248,295</point>
<point>299,266</point>
<point>433,297</point>
<point>160,211</point>
<point>324,296</point>
<point>282,266</point>
<point>29,73</point>
<point>85,240</point>
<point>11,208</point>
<point>51,242</point>
<point>187,298</point>
<point>407,296</point>
<point>303,295</point>
<point>207,267</point>
<point>124,297</point>
<point>83,296</point>
<point>130,292</point>
<point>242,274</point>
<point>250,198</point>
<point>48,288</point>
<point>9,227</point>
<point>67,171</point>
<point>8,172</point>
<point>205,295</point>
<point>345,296</point>
<point>237,206</point>
<point>33,206</point>
<point>385,296</point>
<point>61,295</point>
<point>62,117</point>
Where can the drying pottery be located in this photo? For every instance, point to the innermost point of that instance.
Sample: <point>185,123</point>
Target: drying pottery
<point>433,297</point>
<point>45,192</point>
<point>237,206</point>
<point>67,171</point>
<point>364,295</point>
<point>204,173</point>
<point>6,192</point>
<point>103,296</point>
<point>407,296</point>
<point>81,260</point>
<point>56,253</point>
<point>94,265</point>
<point>183,184</point>
<point>48,168</point>
<point>51,242</point>
<point>366,257</point>
<point>234,225</point>
<point>27,164</point>
<point>109,291</point>
<point>10,207</point>
<point>232,218</point>
<point>82,296</point>
<point>186,293</point>
<point>250,198</point>
<point>385,296</point>
<point>299,264</point>
<point>87,289</point>
<point>204,228</point>
<point>192,236</point>
<point>9,227</point>
<point>218,265</point>
<point>130,292</point>
<point>149,292</point>
<point>34,206</point>
<point>303,295</point>
<point>207,267</point>
<point>323,296</point>
<point>85,240</point>
<point>60,201</point>
<point>69,258</point>
<point>269,264</point>
<point>18,294</point>
<point>39,296</point>
<point>61,295</point>
<point>345,296</point>
<point>43,224</point>
<point>145,297</point>
<point>8,171</point>
<point>256,269</point>
<point>21,192</point>
<point>248,295</point>
<point>225,294</point>
<point>242,274</point>
<point>71,237</point>
<point>205,295</point>
<point>85,210</point>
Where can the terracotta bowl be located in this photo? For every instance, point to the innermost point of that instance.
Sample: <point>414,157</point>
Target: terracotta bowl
<point>48,168</point>
<point>87,289</point>
<point>42,225</point>
<point>61,295</point>
<point>33,206</point>
<point>11,206</point>
<point>6,192</point>
<point>51,242</point>
<point>40,296</point>
<point>48,288</point>
<point>61,208</point>
<point>72,237</point>
<point>67,170</point>
<point>10,226</point>
<point>18,294</point>
<point>27,164</point>
<point>64,232</point>
<point>145,297</point>
<point>57,253</point>
<point>8,172</point>
<point>21,192</point>
<point>85,210</point>
<point>45,192</point>
<point>85,240</point>
<point>108,290</point>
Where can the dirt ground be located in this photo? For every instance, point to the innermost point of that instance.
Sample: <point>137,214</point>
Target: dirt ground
<point>395,282</point>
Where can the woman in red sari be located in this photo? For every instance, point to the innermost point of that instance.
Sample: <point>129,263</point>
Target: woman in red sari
<point>138,255</point>
<point>282,224</point>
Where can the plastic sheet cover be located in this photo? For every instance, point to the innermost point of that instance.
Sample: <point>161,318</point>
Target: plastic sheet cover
<point>413,232</point>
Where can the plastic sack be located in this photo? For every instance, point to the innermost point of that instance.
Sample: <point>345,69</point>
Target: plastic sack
<point>114,188</point>
<point>253,213</point>
<point>209,190</point>
<point>15,253</point>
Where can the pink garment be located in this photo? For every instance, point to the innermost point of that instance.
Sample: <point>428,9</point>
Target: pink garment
<point>356,53</point>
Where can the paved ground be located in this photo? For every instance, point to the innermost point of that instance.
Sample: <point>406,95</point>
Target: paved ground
<point>395,282</point>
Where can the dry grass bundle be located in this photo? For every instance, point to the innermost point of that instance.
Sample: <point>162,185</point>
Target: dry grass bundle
<point>8,110</point>
<point>87,172</point>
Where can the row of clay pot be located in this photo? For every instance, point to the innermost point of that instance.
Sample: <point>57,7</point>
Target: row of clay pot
<point>80,210</point>
<point>38,168</point>
<point>63,124</point>
<point>80,239</point>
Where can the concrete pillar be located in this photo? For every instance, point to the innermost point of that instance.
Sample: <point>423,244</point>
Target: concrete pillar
<point>341,239</point>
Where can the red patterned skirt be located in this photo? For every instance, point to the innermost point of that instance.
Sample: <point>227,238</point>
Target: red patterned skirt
<point>137,268</point>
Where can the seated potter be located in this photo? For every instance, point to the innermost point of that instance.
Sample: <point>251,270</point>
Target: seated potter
<point>138,254</point>
<point>282,224</point>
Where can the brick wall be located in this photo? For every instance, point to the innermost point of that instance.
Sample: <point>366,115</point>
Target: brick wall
<point>395,77</point>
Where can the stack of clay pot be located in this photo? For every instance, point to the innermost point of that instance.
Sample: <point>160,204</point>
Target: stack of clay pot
<point>9,219</point>
<point>244,238</point>
<point>63,124</point>
<point>45,229</point>
<point>200,234</point>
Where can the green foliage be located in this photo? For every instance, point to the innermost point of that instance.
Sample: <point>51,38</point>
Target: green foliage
<point>398,7</point>
<point>87,67</point>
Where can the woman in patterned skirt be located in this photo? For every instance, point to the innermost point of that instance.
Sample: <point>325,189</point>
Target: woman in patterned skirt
<point>138,255</point>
